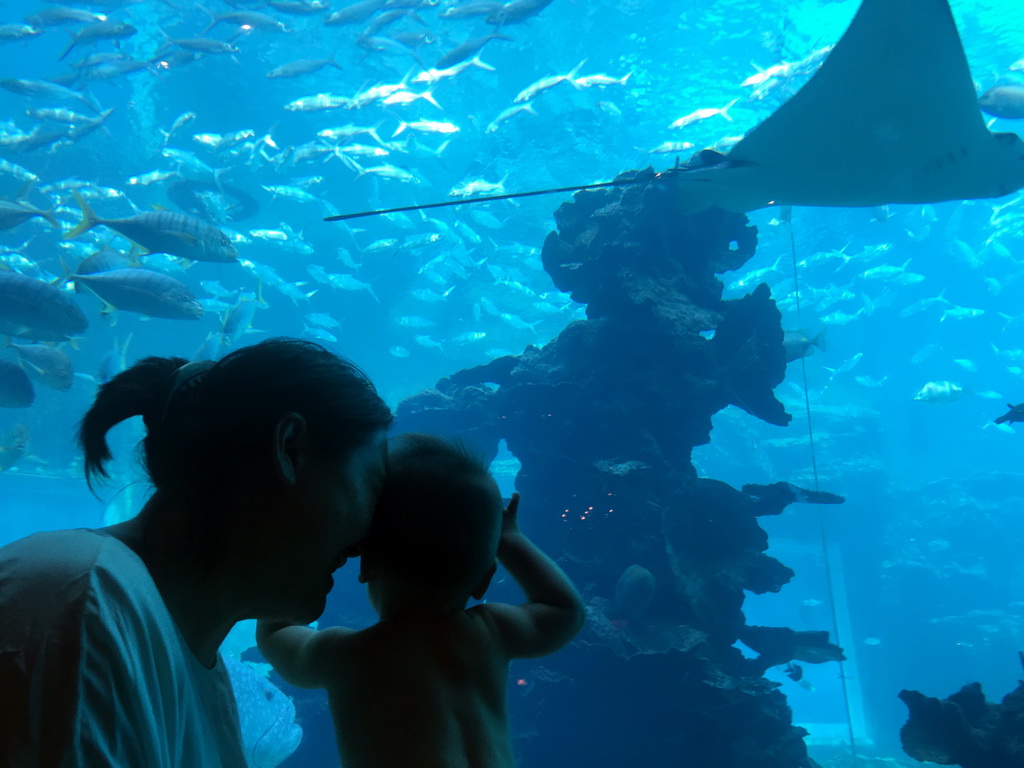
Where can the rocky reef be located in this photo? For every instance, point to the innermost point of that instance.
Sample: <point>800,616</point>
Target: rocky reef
<point>966,729</point>
<point>603,420</point>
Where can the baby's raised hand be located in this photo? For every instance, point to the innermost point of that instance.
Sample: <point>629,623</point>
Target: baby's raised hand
<point>509,519</point>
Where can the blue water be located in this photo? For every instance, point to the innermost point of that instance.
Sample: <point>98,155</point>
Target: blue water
<point>923,559</point>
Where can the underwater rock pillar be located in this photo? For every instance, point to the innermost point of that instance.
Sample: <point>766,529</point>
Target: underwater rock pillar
<point>603,420</point>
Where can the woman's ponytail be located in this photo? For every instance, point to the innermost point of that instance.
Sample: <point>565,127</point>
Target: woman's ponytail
<point>138,391</point>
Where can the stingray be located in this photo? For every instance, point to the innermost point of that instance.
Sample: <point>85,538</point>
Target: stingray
<point>890,117</point>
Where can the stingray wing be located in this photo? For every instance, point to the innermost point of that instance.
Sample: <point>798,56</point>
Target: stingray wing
<point>890,117</point>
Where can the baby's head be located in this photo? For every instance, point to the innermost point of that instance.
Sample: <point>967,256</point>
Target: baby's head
<point>435,530</point>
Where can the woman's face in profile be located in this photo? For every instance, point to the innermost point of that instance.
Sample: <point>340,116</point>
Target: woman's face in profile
<point>315,528</point>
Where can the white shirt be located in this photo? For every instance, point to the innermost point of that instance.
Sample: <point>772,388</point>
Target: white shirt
<point>93,670</point>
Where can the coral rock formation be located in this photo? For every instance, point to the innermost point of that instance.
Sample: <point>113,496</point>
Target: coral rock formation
<point>603,420</point>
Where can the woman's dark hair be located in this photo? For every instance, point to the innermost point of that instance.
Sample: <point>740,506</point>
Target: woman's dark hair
<point>214,427</point>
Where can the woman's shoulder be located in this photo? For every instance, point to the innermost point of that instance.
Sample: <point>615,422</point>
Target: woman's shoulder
<point>59,563</point>
<point>59,552</point>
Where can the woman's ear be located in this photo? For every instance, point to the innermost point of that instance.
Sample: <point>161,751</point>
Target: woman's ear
<point>290,437</point>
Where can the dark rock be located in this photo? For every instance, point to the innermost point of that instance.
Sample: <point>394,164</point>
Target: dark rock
<point>772,499</point>
<point>781,645</point>
<point>965,729</point>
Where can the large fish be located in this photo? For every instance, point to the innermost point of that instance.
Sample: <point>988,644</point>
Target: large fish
<point>47,90</point>
<point>143,291</point>
<point>100,30</point>
<point>50,366</point>
<point>15,388</point>
<point>354,13</point>
<point>517,12</point>
<point>466,51</point>
<point>163,232</point>
<point>37,310</point>
<point>266,716</point>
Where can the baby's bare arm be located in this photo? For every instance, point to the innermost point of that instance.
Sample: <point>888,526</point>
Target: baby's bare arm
<point>303,656</point>
<point>554,612</point>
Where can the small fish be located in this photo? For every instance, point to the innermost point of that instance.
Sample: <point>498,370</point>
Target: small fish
<point>322,320</point>
<point>402,98</point>
<point>213,288</point>
<point>472,9</point>
<point>1006,101</point>
<point>13,214</point>
<point>961,313</point>
<point>507,114</point>
<point>940,392</point>
<point>47,90</point>
<point>100,30</point>
<point>319,333</point>
<point>414,321</point>
<point>546,83</point>
<point>55,17</point>
<point>114,361</point>
<point>426,126</point>
<point>300,7</point>
<point>301,67</point>
<point>238,320</point>
<point>14,447</point>
<point>248,20</point>
<point>397,351</point>
<point>12,32</point>
<point>1015,414</point>
<point>429,343</point>
<point>434,75</point>
<point>466,50</point>
<point>200,45</point>
<point>923,304</point>
<point>924,353</point>
<point>210,348</point>
<point>37,310</point>
<point>479,187</point>
<point>699,115</point>
<point>885,271</point>
<point>798,344</point>
<point>671,147</point>
<point>517,11</point>
<point>796,673</point>
<point>391,172</point>
<point>356,13</point>
<point>589,81</point>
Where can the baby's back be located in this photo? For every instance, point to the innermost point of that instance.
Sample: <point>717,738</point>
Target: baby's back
<point>422,693</point>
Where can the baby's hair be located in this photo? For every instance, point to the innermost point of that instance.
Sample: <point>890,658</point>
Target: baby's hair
<point>438,518</point>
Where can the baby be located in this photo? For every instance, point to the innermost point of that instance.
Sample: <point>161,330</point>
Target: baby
<point>425,686</point>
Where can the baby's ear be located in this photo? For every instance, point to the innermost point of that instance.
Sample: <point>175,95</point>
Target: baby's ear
<point>485,582</point>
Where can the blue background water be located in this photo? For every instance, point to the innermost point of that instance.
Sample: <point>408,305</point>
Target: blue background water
<point>923,556</point>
